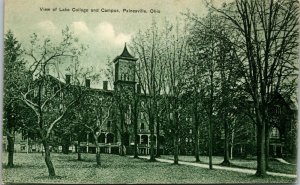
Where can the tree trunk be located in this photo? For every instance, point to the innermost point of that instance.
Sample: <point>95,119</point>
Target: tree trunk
<point>65,148</point>
<point>136,156</point>
<point>152,142</point>
<point>157,138</point>
<point>98,159</point>
<point>48,161</point>
<point>226,161</point>
<point>261,163</point>
<point>176,139</point>
<point>135,120</point>
<point>10,147</point>
<point>65,144</point>
<point>122,152</point>
<point>79,154</point>
<point>78,149</point>
<point>176,149</point>
<point>10,139</point>
<point>210,132</point>
<point>232,144</point>
<point>231,152</point>
<point>210,146</point>
<point>267,146</point>
<point>196,134</point>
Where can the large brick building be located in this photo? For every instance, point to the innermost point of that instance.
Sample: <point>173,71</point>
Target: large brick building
<point>126,92</point>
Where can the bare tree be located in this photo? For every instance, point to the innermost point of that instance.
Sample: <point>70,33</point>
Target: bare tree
<point>48,97</point>
<point>95,111</point>
<point>175,57</point>
<point>204,50</point>
<point>265,36</point>
<point>147,46</point>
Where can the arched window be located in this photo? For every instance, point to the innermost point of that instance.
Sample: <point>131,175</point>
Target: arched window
<point>110,138</point>
<point>101,138</point>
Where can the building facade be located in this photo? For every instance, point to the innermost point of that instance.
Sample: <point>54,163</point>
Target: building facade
<point>128,101</point>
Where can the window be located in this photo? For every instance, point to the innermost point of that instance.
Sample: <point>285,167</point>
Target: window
<point>275,133</point>
<point>23,135</point>
<point>278,110</point>
<point>23,148</point>
<point>142,126</point>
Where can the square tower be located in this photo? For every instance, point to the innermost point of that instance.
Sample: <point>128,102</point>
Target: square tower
<point>125,68</point>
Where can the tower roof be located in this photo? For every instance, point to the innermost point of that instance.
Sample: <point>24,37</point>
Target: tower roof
<point>125,55</point>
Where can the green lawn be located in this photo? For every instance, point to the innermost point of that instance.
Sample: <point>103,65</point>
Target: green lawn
<point>275,166</point>
<point>116,169</point>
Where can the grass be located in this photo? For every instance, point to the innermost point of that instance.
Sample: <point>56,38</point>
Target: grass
<point>274,165</point>
<point>30,168</point>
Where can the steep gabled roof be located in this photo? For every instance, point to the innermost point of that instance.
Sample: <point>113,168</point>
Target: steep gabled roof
<point>125,55</point>
<point>287,100</point>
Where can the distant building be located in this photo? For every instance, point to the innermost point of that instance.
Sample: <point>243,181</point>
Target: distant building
<point>283,122</point>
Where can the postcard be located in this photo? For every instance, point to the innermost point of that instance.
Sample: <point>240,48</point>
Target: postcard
<point>142,92</point>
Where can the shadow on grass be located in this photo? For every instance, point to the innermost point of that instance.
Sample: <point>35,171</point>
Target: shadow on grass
<point>82,160</point>
<point>173,164</point>
<point>239,166</point>
<point>254,176</point>
<point>48,177</point>
<point>4,166</point>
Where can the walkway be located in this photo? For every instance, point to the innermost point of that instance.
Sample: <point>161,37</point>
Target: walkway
<point>241,170</point>
<point>283,161</point>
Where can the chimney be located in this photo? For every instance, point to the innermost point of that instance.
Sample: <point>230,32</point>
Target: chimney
<point>105,83</point>
<point>68,79</point>
<point>88,83</point>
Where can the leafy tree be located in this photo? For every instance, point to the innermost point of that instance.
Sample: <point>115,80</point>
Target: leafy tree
<point>15,79</point>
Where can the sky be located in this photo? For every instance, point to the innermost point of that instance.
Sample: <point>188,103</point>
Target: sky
<point>104,33</point>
